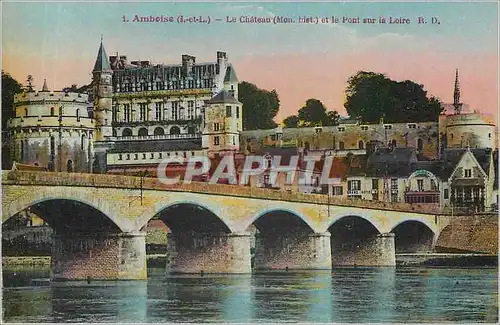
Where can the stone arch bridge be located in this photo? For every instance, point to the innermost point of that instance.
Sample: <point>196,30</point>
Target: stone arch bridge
<point>99,223</point>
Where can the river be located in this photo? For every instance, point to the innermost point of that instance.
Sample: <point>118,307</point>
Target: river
<point>342,295</point>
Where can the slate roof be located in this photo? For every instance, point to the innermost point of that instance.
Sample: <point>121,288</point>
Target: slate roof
<point>156,145</point>
<point>391,163</point>
<point>101,63</point>
<point>451,157</point>
<point>224,97</point>
<point>230,75</point>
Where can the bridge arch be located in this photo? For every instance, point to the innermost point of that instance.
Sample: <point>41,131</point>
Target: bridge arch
<point>208,210</point>
<point>414,236</point>
<point>44,195</point>
<point>267,211</point>
<point>377,225</point>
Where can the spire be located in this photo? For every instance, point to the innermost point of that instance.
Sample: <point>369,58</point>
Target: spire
<point>45,88</point>
<point>456,95</point>
<point>102,61</point>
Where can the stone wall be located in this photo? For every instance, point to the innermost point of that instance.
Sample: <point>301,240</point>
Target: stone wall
<point>105,257</point>
<point>294,251</point>
<point>471,234</point>
<point>209,253</point>
<point>375,251</point>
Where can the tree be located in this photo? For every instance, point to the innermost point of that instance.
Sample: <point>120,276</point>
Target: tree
<point>291,121</point>
<point>73,88</point>
<point>313,113</point>
<point>259,106</point>
<point>372,96</point>
<point>29,84</point>
<point>333,118</point>
<point>10,87</point>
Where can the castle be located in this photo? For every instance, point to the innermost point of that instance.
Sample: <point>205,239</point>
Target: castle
<point>137,113</point>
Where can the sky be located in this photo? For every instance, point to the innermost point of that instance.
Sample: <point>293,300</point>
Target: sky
<point>59,41</point>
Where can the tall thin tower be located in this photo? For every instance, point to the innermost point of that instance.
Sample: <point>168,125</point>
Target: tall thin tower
<point>456,95</point>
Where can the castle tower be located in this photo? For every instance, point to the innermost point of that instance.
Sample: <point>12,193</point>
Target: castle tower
<point>102,90</point>
<point>223,124</point>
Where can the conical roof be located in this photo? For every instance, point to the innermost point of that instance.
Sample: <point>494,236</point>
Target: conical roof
<point>102,62</point>
<point>230,75</point>
<point>44,87</point>
<point>224,97</point>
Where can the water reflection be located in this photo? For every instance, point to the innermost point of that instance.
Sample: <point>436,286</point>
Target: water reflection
<point>343,295</point>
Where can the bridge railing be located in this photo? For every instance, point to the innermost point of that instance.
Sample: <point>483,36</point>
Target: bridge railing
<point>133,182</point>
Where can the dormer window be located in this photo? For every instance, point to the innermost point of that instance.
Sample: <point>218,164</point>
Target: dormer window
<point>319,130</point>
<point>411,125</point>
<point>364,127</point>
<point>341,128</point>
<point>388,126</point>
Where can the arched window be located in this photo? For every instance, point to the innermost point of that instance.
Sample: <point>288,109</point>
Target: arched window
<point>143,132</point>
<point>52,111</point>
<point>127,133</point>
<point>361,144</point>
<point>78,115</point>
<point>420,145</point>
<point>83,141</point>
<point>69,166</point>
<point>159,131</point>
<point>341,145</point>
<point>175,130</point>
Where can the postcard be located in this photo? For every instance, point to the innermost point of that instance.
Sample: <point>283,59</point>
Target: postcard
<point>249,162</point>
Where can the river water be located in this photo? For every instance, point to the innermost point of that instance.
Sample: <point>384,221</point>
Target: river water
<point>342,295</point>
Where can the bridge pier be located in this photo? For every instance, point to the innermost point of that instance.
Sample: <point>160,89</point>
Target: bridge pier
<point>300,251</point>
<point>208,253</point>
<point>378,250</point>
<point>83,256</point>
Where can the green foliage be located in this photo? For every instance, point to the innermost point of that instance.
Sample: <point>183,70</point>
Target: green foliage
<point>259,106</point>
<point>372,96</point>
<point>314,113</point>
<point>291,121</point>
<point>10,87</point>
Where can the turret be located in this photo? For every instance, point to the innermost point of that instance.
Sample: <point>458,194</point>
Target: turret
<point>223,124</point>
<point>102,90</point>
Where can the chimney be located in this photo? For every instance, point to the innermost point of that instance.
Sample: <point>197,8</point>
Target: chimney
<point>187,64</point>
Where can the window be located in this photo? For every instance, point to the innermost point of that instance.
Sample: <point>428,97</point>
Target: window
<point>364,127</point>
<point>191,129</point>
<point>142,111</point>
<point>120,156</point>
<point>152,155</point>
<point>411,126</point>
<point>228,111</point>
<point>175,110</point>
<point>374,184</point>
<point>446,194</point>
<point>126,113</point>
<point>338,190</point>
<point>361,144</point>
<point>489,135</point>
<point>128,156</point>
<point>341,145</point>
<point>127,132</point>
<point>216,141</point>
<point>387,126</point>
<point>341,128</point>
<point>175,130</point>
<point>238,113</point>
<point>143,156</point>
<point>52,111</point>
<point>420,185</point>
<point>216,127</point>
<point>25,112</point>
<point>354,185</point>
<point>451,136</point>
<point>136,156</point>
<point>159,131</point>
<point>394,184</point>
<point>78,115</point>
<point>158,110</point>
<point>190,110</point>
<point>233,141</point>
<point>160,155</point>
<point>82,142</point>
<point>467,173</point>
<point>420,145</point>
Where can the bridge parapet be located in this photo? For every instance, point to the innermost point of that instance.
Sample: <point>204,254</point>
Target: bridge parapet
<point>133,182</point>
